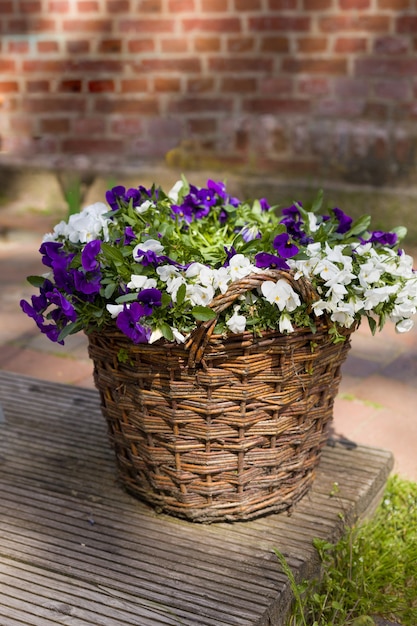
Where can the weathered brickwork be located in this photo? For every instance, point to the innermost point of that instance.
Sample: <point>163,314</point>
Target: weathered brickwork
<point>307,87</point>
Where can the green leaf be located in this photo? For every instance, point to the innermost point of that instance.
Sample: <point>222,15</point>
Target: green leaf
<point>372,325</point>
<point>166,331</point>
<point>70,329</point>
<point>181,294</point>
<point>36,281</point>
<point>400,231</point>
<point>112,253</point>
<point>203,313</point>
<point>360,226</point>
<point>317,202</point>
<point>109,290</point>
<point>128,297</point>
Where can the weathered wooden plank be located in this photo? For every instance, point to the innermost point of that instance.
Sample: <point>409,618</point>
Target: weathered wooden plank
<point>76,549</point>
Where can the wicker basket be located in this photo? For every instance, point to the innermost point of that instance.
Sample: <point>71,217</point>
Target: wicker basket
<point>221,428</point>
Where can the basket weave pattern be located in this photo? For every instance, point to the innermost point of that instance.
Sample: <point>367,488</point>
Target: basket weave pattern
<point>225,429</point>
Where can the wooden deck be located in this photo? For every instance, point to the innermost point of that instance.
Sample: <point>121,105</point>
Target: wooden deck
<point>76,550</point>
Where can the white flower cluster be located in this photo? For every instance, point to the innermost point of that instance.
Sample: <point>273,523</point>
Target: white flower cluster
<point>363,281</point>
<point>83,227</point>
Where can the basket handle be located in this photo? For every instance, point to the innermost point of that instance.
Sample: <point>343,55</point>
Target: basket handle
<point>200,337</point>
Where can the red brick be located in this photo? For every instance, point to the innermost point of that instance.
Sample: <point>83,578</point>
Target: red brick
<point>21,125</point>
<point>202,126</point>
<point>392,45</point>
<point>56,126</point>
<point>54,105</point>
<point>317,5</point>
<point>70,85</point>
<point>92,146</point>
<point>282,5</point>
<point>145,106</point>
<point>386,67</point>
<point>240,64</point>
<point>30,6</point>
<point>6,7</point>
<point>169,84</point>
<point>207,44</point>
<point>136,85</point>
<point>110,46</point>
<point>311,44</point>
<point>156,25</point>
<point>314,66</point>
<point>58,6</point>
<point>87,26</point>
<point>8,86</point>
<point>88,6</point>
<point>201,105</point>
<point>346,108</point>
<point>47,46</point>
<point>118,6</point>
<point>168,65</point>
<point>248,5</point>
<point>199,85</point>
<point>352,88</point>
<point>37,86</point>
<point>140,45</point>
<point>89,125</point>
<point>126,126</point>
<point>219,6</point>
<point>394,5</point>
<point>275,44</point>
<point>354,5</point>
<point>345,45</point>
<point>315,86</point>
<point>238,85</point>
<point>37,25</point>
<point>377,111</point>
<point>174,45</point>
<point>276,85</point>
<point>241,44</point>
<point>397,90</point>
<point>18,47</point>
<point>180,6</point>
<point>7,65</point>
<point>370,23</point>
<point>101,86</point>
<point>149,6</point>
<point>78,46</point>
<point>282,23</point>
<point>275,106</point>
<point>406,24</point>
<point>217,25</point>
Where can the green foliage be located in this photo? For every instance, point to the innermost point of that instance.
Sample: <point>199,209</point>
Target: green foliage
<point>371,571</point>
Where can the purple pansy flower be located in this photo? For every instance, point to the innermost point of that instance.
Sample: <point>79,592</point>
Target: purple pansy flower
<point>129,236</point>
<point>89,255</point>
<point>129,322</point>
<point>264,259</point>
<point>284,246</point>
<point>345,222</point>
<point>149,298</point>
<point>265,206</point>
<point>382,238</point>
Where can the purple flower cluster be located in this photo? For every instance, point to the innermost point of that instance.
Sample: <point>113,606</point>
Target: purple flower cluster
<point>198,202</point>
<point>120,195</point>
<point>130,320</point>
<point>51,304</point>
<point>285,248</point>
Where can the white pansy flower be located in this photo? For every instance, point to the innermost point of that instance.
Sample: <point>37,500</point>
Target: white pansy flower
<point>150,245</point>
<point>280,293</point>
<point>404,326</point>
<point>200,295</point>
<point>173,284</point>
<point>285,325</point>
<point>167,272</point>
<point>142,208</point>
<point>85,226</point>
<point>237,323</point>
<point>221,279</point>
<point>240,266</point>
<point>173,193</point>
<point>138,282</point>
<point>114,309</point>
<point>155,335</point>
<point>312,222</point>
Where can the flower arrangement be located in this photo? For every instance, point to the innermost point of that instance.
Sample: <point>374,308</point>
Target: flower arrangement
<point>152,263</point>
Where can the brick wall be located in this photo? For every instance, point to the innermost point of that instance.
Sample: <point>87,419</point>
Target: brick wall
<point>301,87</point>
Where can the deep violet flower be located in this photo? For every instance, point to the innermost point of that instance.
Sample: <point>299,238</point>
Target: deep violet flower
<point>149,298</point>
<point>345,221</point>
<point>89,260</point>
<point>264,259</point>
<point>382,238</point>
<point>284,246</point>
<point>129,322</point>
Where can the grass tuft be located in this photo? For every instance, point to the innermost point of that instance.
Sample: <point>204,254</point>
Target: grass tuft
<point>371,572</point>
